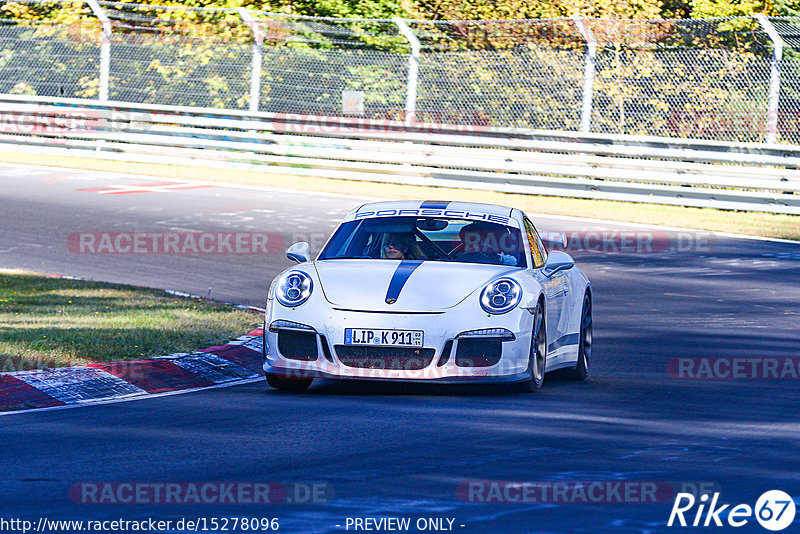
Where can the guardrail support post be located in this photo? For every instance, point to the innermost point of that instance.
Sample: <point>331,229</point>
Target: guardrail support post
<point>588,73</point>
<point>413,68</point>
<point>255,69</point>
<point>105,48</point>
<point>774,77</point>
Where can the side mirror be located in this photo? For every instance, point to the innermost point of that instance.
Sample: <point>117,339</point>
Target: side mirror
<point>299,252</point>
<point>557,261</point>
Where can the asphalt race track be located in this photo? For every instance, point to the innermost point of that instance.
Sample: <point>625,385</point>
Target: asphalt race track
<point>405,451</point>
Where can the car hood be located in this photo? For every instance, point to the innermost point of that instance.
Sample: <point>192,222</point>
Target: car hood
<point>427,286</point>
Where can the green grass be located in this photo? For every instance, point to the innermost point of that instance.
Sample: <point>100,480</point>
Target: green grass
<point>55,322</point>
<point>740,222</point>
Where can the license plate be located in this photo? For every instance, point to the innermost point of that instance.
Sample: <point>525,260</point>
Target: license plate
<point>379,337</point>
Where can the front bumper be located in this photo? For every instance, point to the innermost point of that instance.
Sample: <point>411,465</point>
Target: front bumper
<point>441,337</point>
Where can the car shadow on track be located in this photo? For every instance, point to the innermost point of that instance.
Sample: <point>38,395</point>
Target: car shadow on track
<point>376,388</point>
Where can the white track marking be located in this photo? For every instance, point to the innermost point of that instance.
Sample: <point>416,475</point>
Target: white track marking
<point>374,199</point>
<point>117,176</point>
<point>666,228</point>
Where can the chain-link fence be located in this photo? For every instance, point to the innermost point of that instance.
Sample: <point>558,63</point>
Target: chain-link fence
<point>49,56</point>
<point>178,56</point>
<point>734,79</point>
<point>788,119</point>
<point>310,65</point>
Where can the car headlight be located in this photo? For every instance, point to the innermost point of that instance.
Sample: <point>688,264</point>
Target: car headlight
<point>501,296</point>
<point>293,288</point>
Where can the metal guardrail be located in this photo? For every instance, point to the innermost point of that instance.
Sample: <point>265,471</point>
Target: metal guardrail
<point>737,176</point>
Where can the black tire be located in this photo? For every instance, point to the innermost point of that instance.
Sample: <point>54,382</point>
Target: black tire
<point>537,363</point>
<point>288,384</point>
<point>581,369</point>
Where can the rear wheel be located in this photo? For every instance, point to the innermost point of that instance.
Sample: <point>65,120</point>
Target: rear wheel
<point>538,354</point>
<point>581,369</point>
<point>288,384</point>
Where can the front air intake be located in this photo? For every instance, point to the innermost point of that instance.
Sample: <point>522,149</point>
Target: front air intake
<point>395,358</point>
<point>478,352</point>
<point>295,345</point>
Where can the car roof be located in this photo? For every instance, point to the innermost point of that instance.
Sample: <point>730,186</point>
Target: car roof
<point>489,209</point>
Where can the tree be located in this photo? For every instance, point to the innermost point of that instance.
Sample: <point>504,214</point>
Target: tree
<point>730,8</point>
<point>524,9</point>
<point>787,8</point>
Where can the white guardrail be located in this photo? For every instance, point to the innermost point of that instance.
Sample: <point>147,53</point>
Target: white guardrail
<point>735,176</point>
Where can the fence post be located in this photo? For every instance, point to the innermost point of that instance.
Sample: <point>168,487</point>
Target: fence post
<point>105,48</point>
<point>774,77</point>
<point>255,69</point>
<point>413,68</point>
<point>588,73</point>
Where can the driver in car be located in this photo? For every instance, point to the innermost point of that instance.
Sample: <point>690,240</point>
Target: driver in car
<point>400,246</point>
<point>485,243</point>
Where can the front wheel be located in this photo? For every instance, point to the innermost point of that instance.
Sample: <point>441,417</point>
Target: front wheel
<point>288,384</point>
<point>581,369</point>
<point>538,356</point>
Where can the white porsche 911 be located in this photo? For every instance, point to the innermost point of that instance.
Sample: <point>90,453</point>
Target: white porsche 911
<point>448,292</point>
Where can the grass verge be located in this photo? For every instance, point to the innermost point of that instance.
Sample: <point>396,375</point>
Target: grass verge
<point>749,223</point>
<point>54,322</point>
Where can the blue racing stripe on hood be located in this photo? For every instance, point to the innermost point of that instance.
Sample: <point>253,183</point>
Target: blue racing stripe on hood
<point>399,279</point>
<point>434,204</point>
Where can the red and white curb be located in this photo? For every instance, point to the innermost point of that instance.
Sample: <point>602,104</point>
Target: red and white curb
<point>235,362</point>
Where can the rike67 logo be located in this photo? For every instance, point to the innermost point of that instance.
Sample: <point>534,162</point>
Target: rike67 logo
<point>774,510</point>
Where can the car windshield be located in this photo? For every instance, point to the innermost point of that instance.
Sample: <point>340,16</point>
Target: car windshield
<point>427,239</point>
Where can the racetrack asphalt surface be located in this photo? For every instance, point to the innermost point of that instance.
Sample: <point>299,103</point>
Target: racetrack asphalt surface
<point>403,451</point>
